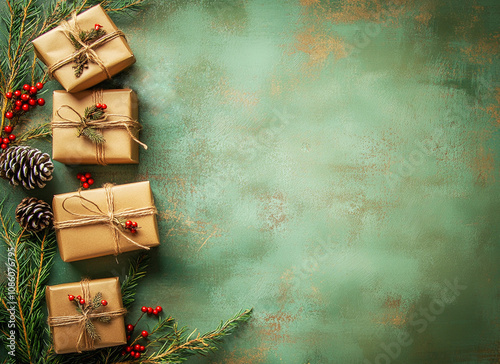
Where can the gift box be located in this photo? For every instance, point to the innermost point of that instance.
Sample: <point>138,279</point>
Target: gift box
<point>90,223</point>
<point>118,127</point>
<point>69,320</point>
<point>106,55</point>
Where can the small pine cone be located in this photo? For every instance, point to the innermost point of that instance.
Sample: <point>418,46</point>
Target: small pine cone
<point>34,214</point>
<point>26,166</point>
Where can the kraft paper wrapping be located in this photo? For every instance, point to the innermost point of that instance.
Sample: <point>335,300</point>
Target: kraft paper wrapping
<point>65,338</point>
<point>54,46</point>
<point>119,147</point>
<point>84,242</point>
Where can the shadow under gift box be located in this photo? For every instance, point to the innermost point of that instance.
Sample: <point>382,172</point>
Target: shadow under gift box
<point>96,240</point>
<point>65,338</point>
<point>119,148</point>
<point>54,46</point>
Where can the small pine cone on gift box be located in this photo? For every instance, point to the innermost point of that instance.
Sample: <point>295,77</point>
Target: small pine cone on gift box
<point>34,214</point>
<point>26,166</point>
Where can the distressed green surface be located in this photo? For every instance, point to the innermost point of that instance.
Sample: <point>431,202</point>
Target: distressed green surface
<point>330,163</point>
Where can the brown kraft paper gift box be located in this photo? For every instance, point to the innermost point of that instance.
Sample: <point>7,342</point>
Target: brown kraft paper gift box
<point>54,46</point>
<point>100,238</point>
<point>66,337</point>
<point>119,147</point>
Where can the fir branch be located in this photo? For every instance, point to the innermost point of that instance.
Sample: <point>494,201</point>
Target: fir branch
<point>181,346</point>
<point>122,6</point>
<point>136,271</point>
<point>31,257</point>
<point>43,131</point>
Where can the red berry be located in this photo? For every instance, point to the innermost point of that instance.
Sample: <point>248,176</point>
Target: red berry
<point>155,312</point>
<point>39,85</point>
<point>128,223</point>
<point>137,355</point>
<point>5,141</point>
<point>85,185</point>
<point>83,179</point>
<point>33,90</point>
<point>128,349</point>
<point>143,348</point>
<point>134,224</point>
<point>78,297</point>
<point>12,137</point>
<point>88,175</point>
<point>8,95</point>
<point>19,103</point>
<point>130,327</point>
<point>159,309</point>
<point>25,97</point>
<point>9,114</point>
<point>98,105</point>
<point>25,107</point>
<point>17,93</point>
<point>133,231</point>
<point>90,181</point>
<point>82,301</point>
<point>8,129</point>
<point>17,108</point>
<point>132,353</point>
<point>144,334</point>
<point>150,310</point>
<point>3,146</point>
<point>97,26</point>
<point>40,102</point>
<point>137,347</point>
<point>32,102</point>
<point>78,176</point>
<point>128,337</point>
<point>71,297</point>
<point>26,87</point>
<point>144,309</point>
<point>104,106</point>
<point>104,302</point>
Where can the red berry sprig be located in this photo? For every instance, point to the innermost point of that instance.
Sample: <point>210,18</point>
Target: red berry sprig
<point>7,137</point>
<point>85,179</point>
<point>132,226</point>
<point>135,349</point>
<point>101,106</point>
<point>23,101</point>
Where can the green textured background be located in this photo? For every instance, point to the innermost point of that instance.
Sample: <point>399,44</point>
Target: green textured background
<point>330,163</point>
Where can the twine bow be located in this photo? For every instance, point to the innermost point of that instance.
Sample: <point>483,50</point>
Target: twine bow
<point>87,50</point>
<point>123,121</point>
<point>84,319</point>
<point>110,218</point>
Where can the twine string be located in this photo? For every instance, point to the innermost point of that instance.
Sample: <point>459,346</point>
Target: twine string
<point>87,314</point>
<point>110,218</point>
<point>124,121</point>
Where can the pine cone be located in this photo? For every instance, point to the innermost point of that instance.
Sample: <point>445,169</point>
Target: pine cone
<point>27,166</point>
<point>34,214</point>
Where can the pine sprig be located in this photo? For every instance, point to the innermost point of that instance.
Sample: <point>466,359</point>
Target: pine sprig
<point>91,133</point>
<point>87,37</point>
